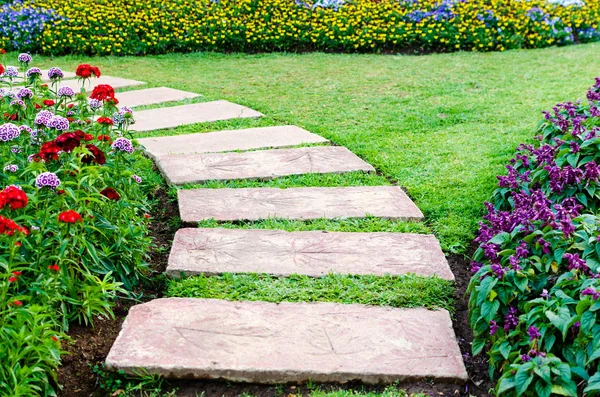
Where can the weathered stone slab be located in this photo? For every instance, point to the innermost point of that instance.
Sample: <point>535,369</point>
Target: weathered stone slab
<point>222,141</point>
<point>270,343</point>
<point>296,203</point>
<point>152,96</point>
<point>114,82</point>
<point>264,164</point>
<point>156,119</point>
<point>312,253</point>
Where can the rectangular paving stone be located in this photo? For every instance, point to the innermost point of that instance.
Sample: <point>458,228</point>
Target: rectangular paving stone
<point>222,141</point>
<point>114,82</point>
<point>312,253</point>
<point>263,164</point>
<point>156,119</point>
<point>296,203</point>
<point>152,96</point>
<point>271,343</point>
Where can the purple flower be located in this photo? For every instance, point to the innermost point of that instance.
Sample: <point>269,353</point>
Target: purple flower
<point>66,91</point>
<point>8,132</point>
<point>136,178</point>
<point>47,179</point>
<point>592,171</point>
<point>493,327</point>
<point>55,74</point>
<point>59,123</point>
<point>11,168</point>
<point>34,72</point>
<point>475,266</point>
<point>544,293</point>
<point>11,72</point>
<point>123,144</point>
<point>25,93</point>
<point>25,58</point>
<point>95,104</point>
<point>511,320</point>
<point>43,117</point>
<point>525,358</point>
<point>575,262</point>
<point>533,333</point>
<point>589,291</point>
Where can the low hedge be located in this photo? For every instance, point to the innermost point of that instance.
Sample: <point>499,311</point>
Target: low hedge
<point>157,26</point>
<point>534,297</point>
<point>73,223</point>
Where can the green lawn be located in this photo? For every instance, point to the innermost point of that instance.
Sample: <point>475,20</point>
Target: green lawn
<point>441,126</point>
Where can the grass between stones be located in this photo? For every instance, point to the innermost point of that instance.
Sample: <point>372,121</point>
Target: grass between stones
<point>405,291</point>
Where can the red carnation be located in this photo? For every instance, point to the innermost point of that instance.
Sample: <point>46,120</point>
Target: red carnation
<point>69,216</point>
<point>8,227</point>
<point>49,151</point>
<point>86,71</point>
<point>2,51</point>
<point>102,92</point>
<point>112,100</point>
<point>68,141</point>
<point>97,155</point>
<point>1,69</point>
<point>110,193</point>
<point>54,267</point>
<point>14,197</point>
<point>105,138</point>
<point>105,121</point>
<point>17,303</point>
<point>48,102</point>
<point>12,279</point>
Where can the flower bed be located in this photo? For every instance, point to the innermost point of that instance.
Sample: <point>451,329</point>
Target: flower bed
<point>152,27</point>
<point>73,230</point>
<point>535,292</point>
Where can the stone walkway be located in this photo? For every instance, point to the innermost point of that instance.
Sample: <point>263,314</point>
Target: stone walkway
<point>263,342</point>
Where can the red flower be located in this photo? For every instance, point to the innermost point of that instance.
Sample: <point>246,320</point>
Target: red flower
<point>43,85</point>
<point>105,138</point>
<point>86,71</point>
<point>113,101</point>
<point>105,120</point>
<point>12,279</point>
<point>110,193</point>
<point>147,216</point>
<point>68,141</point>
<point>97,155</point>
<point>14,197</point>
<point>69,216</point>
<point>102,92</point>
<point>17,303</point>
<point>18,244</point>
<point>48,102</point>
<point>54,267</point>
<point>2,51</point>
<point>1,68</point>
<point>17,273</point>
<point>49,151</point>
<point>54,338</point>
<point>8,227</point>
<point>60,191</point>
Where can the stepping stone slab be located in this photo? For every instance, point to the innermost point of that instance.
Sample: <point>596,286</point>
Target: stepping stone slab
<point>222,141</point>
<point>156,119</point>
<point>289,342</point>
<point>262,164</point>
<point>152,96</point>
<point>313,253</point>
<point>296,203</point>
<point>114,82</point>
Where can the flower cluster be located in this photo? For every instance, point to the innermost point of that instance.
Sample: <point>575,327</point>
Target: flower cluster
<point>121,27</point>
<point>537,268</point>
<point>73,225</point>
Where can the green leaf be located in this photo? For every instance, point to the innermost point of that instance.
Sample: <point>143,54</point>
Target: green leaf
<point>484,289</point>
<point>505,384</point>
<point>543,389</point>
<point>500,238</point>
<point>588,319</point>
<point>593,383</point>
<point>477,346</point>
<point>544,373</point>
<point>564,390</point>
<point>523,378</point>
<point>581,372</point>
<point>560,320</point>
<point>505,349</point>
<point>594,356</point>
<point>489,309</point>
